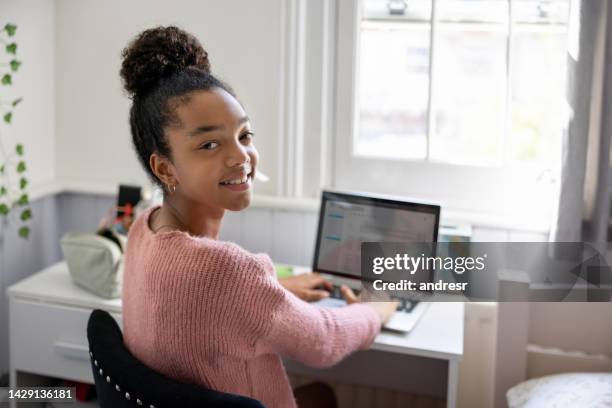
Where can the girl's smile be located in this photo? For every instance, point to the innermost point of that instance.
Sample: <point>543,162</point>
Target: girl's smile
<point>240,181</point>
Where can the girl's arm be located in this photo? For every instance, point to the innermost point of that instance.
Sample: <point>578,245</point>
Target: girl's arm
<point>316,336</point>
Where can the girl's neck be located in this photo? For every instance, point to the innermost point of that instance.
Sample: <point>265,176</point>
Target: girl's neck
<point>193,219</point>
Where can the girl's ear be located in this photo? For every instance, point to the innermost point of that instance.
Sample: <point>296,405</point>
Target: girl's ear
<point>163,169</point>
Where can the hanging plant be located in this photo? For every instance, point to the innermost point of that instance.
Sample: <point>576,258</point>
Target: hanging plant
<point>13,193</point>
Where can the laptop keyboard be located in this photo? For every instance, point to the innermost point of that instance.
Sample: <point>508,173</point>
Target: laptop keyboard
<point>404,306</point>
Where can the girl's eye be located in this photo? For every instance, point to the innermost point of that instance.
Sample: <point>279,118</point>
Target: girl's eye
<point>247,136</point>
<point>209,145</point>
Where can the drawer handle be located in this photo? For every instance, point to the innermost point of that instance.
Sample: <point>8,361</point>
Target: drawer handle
<point>72,350</point>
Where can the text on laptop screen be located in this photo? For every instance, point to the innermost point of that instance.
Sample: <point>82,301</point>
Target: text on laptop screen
<point>346,225</point>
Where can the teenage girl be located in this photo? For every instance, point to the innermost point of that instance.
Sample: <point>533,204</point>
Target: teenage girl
<point>198,309</point>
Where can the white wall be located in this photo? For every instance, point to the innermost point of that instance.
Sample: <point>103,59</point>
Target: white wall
<point>243,39</point>
<point>33,121</point>
<point>33,126</point>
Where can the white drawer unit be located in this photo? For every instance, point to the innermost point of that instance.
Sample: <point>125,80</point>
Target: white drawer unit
<point>48,317</point>
<point>50,340</point>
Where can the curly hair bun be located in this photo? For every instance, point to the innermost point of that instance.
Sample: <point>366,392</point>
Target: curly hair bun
<point>159,53</point>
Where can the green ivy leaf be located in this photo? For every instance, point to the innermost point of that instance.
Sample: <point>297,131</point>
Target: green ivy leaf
<point>23,200</point>
<point>26,214</point>
<point>2,169</point>
<point>21,167</point>
<point>16,102</point>
<point>7,79</point>
<point>19,149</point>
<point>24,232</point>
<point>8,116</point>
<point>3,209</point>
<point>2,191</point>
<point>15,65</point>
<point>10,29</point>
<point>11,48</point>
<point>23,182</point>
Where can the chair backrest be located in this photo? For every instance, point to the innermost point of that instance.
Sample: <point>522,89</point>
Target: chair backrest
<point>123,381</point>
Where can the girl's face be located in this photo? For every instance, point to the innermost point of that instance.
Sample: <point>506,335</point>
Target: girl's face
<point>213,156</point>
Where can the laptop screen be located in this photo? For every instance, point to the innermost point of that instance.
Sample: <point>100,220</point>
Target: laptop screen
<point>347,220</point>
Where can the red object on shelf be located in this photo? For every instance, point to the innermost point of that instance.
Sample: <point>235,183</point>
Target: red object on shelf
<point>128,210</point>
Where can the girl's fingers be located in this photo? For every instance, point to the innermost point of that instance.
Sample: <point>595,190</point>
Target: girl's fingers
<point>314,295</point>
<point>348,294</point>
<point>318,280</point>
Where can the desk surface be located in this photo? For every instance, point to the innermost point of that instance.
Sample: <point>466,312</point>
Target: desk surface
<point>438,334</point>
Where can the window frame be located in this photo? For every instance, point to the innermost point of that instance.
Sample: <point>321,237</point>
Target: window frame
<point>502,190</point>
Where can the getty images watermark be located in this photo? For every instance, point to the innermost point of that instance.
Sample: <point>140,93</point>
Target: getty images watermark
<point>488,271</point>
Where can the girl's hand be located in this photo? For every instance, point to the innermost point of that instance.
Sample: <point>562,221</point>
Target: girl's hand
<point>349,295</point>
<point>308,286</point>
<point>385,309</point>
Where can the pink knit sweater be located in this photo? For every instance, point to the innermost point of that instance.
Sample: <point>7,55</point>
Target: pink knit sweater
<point>211,313</point>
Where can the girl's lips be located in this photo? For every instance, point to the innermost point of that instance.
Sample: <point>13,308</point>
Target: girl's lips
<point>239,187</point>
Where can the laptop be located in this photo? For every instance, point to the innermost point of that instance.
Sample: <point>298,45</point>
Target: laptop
<point>348,219</point>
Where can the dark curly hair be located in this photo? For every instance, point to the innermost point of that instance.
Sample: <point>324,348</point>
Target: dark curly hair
<point>160,68</point>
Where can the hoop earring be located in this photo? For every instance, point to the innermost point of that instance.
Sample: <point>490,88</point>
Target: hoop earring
<point>171,191</point>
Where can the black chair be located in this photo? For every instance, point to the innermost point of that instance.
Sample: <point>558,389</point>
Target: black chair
<point>123,381</point>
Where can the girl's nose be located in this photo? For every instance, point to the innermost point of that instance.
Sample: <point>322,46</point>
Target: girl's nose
<point>238,155</point>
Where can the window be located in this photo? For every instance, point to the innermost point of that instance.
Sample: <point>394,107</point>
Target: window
<point>456,101</point>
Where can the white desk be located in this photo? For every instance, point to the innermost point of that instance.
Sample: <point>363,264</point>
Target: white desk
<point>48,321</point>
